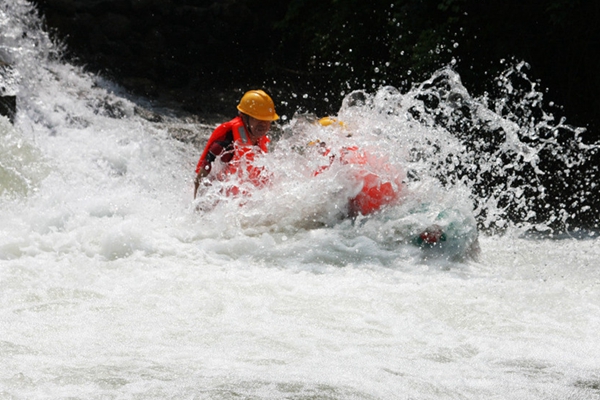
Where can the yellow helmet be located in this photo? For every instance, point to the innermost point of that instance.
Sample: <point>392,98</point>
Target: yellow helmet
<point>326,121</point>
<point>259,105</point>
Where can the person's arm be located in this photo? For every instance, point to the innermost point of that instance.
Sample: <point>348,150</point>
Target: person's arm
<point>203,173</point>
<point>220,141</point>
<point>213,150</point>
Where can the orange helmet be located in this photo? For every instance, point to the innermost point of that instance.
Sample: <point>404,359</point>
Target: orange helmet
<point>259,105</point>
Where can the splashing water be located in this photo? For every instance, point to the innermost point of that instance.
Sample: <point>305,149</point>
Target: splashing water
<point>113,284</point>
<point>501,167</point>
<point>523,166</point>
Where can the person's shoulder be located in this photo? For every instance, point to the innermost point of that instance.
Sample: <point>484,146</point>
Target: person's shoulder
<point>224,127</point>
<point>224,132</point>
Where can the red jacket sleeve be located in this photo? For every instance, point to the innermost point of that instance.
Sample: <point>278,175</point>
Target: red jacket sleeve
<point>217,142</point>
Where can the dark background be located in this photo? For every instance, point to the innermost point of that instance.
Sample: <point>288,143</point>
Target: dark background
<point>199,55</point>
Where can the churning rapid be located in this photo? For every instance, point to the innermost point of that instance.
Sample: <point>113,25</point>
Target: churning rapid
<point>114,283</point>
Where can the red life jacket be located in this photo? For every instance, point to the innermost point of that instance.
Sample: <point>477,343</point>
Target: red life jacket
<point>240,159</point>
<point>242,162</point>
<point>220,137</point>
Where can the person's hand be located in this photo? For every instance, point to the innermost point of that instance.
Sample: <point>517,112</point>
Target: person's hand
<point>200,181</point>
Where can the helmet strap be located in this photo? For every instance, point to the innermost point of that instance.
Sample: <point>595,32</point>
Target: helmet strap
<point>246,121</point>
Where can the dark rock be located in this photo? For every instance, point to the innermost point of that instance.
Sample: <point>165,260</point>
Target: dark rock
<point>8,107</point>
<point>8,98</point>
<point>143,86</point>
<point>148,115</point>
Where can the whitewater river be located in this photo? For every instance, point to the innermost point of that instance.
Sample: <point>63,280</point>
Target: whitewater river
<point>114,284</point>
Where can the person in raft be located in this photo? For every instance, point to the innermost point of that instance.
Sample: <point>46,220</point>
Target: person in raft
<point>239,138</point>
<point>381,183</point>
